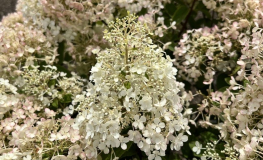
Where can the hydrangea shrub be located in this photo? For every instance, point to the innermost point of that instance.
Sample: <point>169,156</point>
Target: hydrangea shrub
<point>130,79</point>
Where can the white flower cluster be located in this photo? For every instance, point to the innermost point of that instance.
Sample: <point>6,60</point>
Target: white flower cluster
<point>48,85</point>
<point>135,90</point>
<point>31,118</point>
<point>7,98</point>
<point>34,14</point>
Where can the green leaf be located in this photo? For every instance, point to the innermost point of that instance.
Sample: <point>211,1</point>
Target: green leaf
<point>227,79</point>
<point>51,82</point>
<point>99,157</point>
<point>171,48</point>
<point>223,89</point>
<point>132,152</point>
<point>118,152</point>
<point>146,75</point>
<point>127,85</point>
<point>46,156</point>
<point>142,12</point>
<point>67,98</point>
<point>55,103</point>
<point>209,136</point>
<point>214,103</point>
<point>63,69</point>
<point>181,2</point>
<point>220,81</point>
<point>245,82</point>
<point>99,23</point>
<point>187,151</point>
<point>169,9</point>
<point>180,13</point>
<point>123,73</point>
<point>236,70</point>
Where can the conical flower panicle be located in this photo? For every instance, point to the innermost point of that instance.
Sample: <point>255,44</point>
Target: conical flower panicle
<point>134,88</point>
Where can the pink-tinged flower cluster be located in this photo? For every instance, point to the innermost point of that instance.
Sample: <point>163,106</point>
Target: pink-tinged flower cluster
<point>197,48</point>
<point>208,51</point>
<point>246,13</point>
<point>21,44</point>
<point>233,47</point>
<point>32,124</point>
<point>80,16</point>
<point>240,109</point>
<point>31,129</point>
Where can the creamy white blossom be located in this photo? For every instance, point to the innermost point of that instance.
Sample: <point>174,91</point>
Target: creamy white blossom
<point>128,91</point>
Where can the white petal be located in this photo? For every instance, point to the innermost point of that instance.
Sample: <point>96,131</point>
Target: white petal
<point>158,158</point>
<point>106,150</point>
<point>161,125</point>
<point>141,126</point>
<point>123,146</point>
<point>140,144</point>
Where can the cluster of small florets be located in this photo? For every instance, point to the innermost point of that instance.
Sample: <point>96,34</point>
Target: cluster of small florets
<point>7,96</point>
<point>134,86</point>
<point>79,16</point>
<point>211,153</point>
<point>78,24</point>
<point>35,15</point>
<point>242,117</point>
<point>47,85</point>
<point>31,131</point>
<point>233,48</point>
<point>20,45</point>
<point>32,124</point>
<point>246,13</point>
<point>217,49</point>
<point>135,6</point>
<point>203,47</point>
<point>208,51</point>
<point>242,25</point>
<point>81,23</point>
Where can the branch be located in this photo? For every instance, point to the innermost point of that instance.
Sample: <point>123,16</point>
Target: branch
<point>187,18</point>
